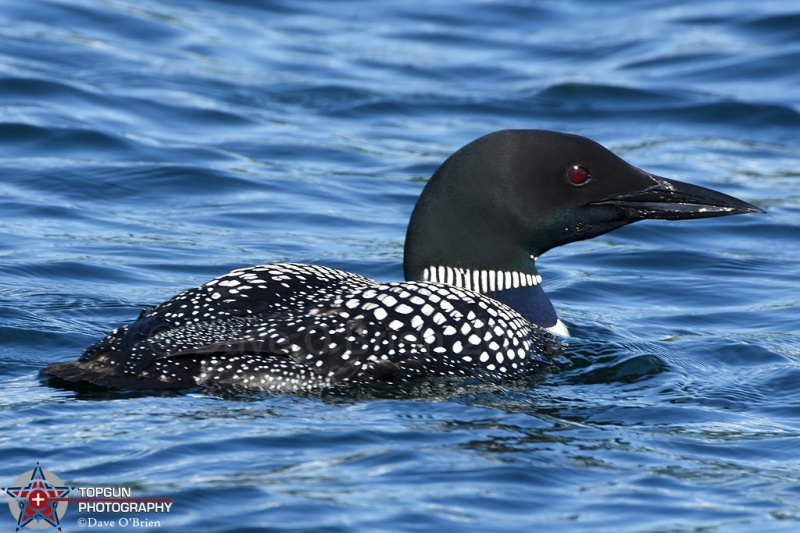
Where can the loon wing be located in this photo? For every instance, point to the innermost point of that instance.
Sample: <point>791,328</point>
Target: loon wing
<point>259,290</point>
<point>382,333</point>
<point>198,318</point>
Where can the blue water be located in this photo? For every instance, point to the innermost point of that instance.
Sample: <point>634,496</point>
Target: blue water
<point>150,145</point>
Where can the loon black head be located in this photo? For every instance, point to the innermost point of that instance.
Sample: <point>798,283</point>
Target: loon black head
<point>508,197</point>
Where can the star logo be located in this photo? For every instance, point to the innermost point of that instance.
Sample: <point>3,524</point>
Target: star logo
<point>38,499</point>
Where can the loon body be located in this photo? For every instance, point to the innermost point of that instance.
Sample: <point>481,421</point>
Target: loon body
<point>472,304</point>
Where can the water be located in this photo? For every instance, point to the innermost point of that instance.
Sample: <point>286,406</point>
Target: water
<point>149,146</point>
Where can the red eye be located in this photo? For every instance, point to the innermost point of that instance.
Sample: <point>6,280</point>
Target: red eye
<point>578,176</point>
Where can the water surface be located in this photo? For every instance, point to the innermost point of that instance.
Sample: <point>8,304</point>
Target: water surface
<point>149,146</point>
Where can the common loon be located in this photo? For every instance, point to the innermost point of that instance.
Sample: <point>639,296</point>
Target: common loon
<point>472,305</point>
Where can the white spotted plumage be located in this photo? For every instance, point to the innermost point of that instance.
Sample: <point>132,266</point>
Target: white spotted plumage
<point>286,327</point>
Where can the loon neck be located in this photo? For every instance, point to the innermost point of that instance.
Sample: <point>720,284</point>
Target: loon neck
<point>483,281</point>
<point>522,291</point>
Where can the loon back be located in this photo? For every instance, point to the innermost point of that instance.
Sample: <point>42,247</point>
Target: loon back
<point>472,304</point>
<point>286,327</point>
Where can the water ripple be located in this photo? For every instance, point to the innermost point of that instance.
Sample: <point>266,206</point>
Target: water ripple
<point>152,145</point>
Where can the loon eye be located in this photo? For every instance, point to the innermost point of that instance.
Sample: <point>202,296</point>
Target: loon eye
<point>578,176</point>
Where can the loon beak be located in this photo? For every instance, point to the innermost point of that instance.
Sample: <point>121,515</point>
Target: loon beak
<point>674,200</point>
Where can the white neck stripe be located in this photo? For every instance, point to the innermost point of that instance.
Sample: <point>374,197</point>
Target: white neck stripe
<point>480,280</point>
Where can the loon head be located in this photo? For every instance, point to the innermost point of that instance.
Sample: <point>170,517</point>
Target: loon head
<point>508,197</point>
